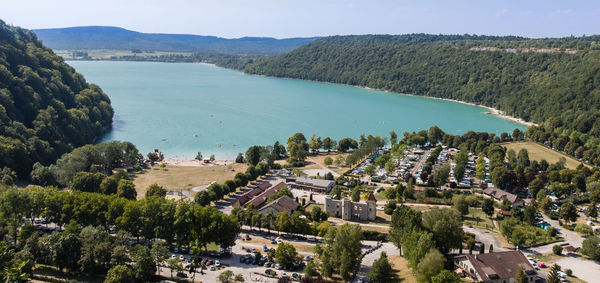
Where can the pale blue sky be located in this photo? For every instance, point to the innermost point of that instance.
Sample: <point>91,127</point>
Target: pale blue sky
<point>284,18</point>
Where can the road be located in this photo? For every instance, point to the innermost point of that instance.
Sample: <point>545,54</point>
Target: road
<point>369,259</point>
<point>485,237</point>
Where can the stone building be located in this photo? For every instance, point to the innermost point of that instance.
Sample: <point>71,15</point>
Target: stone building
<point>349,210</point>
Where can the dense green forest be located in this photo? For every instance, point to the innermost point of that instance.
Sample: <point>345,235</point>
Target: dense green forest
<point>115,38</point>
<point>553,82</point>
<point>46,108</point>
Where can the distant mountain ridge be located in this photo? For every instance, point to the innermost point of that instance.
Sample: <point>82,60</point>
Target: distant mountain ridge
<point>107,37</point>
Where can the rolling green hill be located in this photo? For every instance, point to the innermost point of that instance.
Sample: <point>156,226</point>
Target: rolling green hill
<point>114,38</point>
<point>46,108</point>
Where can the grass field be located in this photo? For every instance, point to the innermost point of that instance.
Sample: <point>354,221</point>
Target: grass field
<point>484,221</point>
<point>539,152</point>
<point>401,268</point>
<point>318,160</point>
<point>185,177</point>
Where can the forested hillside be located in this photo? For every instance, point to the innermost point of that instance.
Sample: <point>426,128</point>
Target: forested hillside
<point>101,37</point>
<point>46,108</point>
<point>553,82</point>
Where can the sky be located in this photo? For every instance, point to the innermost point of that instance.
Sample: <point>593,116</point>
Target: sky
<point>305,18</point>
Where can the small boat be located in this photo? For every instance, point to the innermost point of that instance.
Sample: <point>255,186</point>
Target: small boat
<point>164,139</point>
<point>219,145</point>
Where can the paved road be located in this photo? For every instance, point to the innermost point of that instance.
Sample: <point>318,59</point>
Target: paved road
<point>369,259</point>
<point>485,237</point>
<point>587,270</point>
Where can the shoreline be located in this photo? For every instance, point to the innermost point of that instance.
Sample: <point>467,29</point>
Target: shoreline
<point>184,162</point>
<point>492,110</point>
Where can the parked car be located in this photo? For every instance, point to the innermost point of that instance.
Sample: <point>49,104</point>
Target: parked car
<point>212,268</point>
<point>217,263</point>
<point>307,258</point>
<point>278,266</point>
<point>265,248</point>
<point>181,275</point>
<point>181,258</point>
<point>268,271</point>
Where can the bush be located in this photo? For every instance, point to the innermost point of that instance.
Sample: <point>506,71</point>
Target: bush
<point>557,249</point>
<point>569,272</point>
<point>584,229</point>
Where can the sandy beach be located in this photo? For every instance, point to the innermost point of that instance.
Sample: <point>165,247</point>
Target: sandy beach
<point>492,110</point>
<point>195,163</point>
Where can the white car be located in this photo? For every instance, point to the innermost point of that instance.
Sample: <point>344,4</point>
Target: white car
<point>173,256</point>
<point>181,258</point>
<point>217,263</point>
<point>278,266</point>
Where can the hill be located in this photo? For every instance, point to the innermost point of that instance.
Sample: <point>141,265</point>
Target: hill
<point>46,108</point>
<point>554,82</point>
<point>115,38</point>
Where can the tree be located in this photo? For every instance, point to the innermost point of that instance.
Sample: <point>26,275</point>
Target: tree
<point>446,276</point>
<point>340,250</point>
<point>435,135</point>
<point>42,175</point>
<point>440,175</point>
<point>446,226</point>
<point>156,190</point>
<point>567,211</point>
<point>381,271</point>
<point>109,185</point>
<point>346,144</point>
<point>553,276</point>
<point>461,205</point>
<point>174,266</point>
<point>591,247</point>
<point>393,137</point>
<point>226,276</point>
<point>315,143</point>
<point>87,182</point>
<point>199,156</point>
<point>459,171</point>
<point>328,161</point>
<point>557,249</point>
<point>328,144</point>
<point>488,207</point>
<point>520,276</point>
<point>119,274</point>
<point>431,265</point>
<point>356,194</point>
<point>212,158</point>
<point>592,211</point>
<point>126,189</point>
<point>159,253</point>
<point>286,255</point>
<point>253,155</point>
<point>389,208</point>
<point>239,158</point>
<point>144,266</point>
<point>370,170</point>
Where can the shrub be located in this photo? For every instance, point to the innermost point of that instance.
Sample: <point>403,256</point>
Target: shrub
<point>557,249</point>
<point>569,272</point>
<point>584,229</point>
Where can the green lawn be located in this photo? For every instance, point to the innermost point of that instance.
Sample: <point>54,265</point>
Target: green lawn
<point>476,218</point>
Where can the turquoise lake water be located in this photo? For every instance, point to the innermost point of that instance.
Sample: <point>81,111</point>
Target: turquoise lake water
<point>183,108</point>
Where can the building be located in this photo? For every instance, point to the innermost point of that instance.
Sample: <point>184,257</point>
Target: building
<point>260,199</point>
<point>348,210</point>
<point>254,191</point>
<point>495,267</point>
<point>500,194</point>
<point>283,204</point>
<point>312,185</point>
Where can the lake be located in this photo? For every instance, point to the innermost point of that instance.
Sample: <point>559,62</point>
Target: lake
<point>183,108</point>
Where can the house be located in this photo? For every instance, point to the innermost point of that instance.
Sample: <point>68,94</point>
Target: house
<point>495,267</point>
<point>500,194</point>
<point>253,192</point>
<point>260,199</point>
<point>347,209</point>
<point>283,204</point>
<point>312,185</point>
